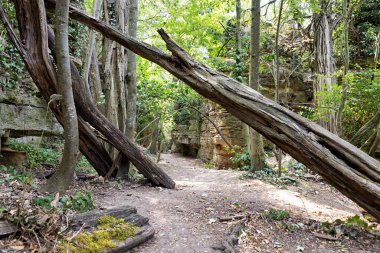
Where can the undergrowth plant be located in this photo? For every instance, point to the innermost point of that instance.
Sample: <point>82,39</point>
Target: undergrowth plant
<point>276,214</point>
<point>352,227</point>
<point>81,202</point>
<point>36,155</point>
<point>9,174</point>
<point>241,158</point>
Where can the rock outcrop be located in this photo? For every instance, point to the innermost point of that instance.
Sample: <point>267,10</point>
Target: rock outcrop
<point>22,111</point>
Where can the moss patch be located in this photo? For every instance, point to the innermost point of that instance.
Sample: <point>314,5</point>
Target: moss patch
<point>109,231</point>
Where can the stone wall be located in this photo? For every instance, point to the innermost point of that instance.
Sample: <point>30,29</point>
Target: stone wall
<point>23,111</point>
<point>212,145</point>
<point>207,144</point>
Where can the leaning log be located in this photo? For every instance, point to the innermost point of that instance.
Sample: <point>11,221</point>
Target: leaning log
<point>45,80</point>
<point>34,49</point>
<point>348,169</point>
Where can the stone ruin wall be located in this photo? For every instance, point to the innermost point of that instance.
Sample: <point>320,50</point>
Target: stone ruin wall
<point>22,111</point>
<point>206,142</point>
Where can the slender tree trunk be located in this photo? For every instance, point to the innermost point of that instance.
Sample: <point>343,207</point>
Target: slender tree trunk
<point>131,73</point>
<point>89,56</point>
<point>120,66</point>
<point>95,80</point>
<point>238,26</point>
<point>61,179</point>
<point>277,81</point>
<point>324,65</point>
<point>109,63</point>
<point>256,140</point>
<point>346,59</point>
<point>131,86</point>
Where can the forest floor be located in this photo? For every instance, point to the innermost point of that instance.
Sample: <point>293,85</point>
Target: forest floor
<point>186,219</point>
<point>291,215</point>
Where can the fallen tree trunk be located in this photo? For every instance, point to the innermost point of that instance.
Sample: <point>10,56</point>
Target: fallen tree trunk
<point>34,51</point>
<point>341,164</point>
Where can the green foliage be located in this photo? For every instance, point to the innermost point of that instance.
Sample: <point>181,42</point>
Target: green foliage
<point>84,166</point>
<point>241,157</point>
<point>209,165</point>
<point>350,227</point>
<point>328,102</point>
<point>36,156</point>
<point>276,214</point>
<point>10,174</point>
<point>367,27</point>
<point>10,60</point>
<point>78,202</point>
<point>298,169</point>
<point>363,99</point>
<point>270,176</point>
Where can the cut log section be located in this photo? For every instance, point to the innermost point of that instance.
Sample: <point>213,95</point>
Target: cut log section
<point>7,228</point>
<point>348,169</point>
<point>129,214</point>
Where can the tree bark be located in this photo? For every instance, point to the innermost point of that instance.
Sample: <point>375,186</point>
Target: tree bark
<point>131,73</point>
<point>62,178</point>
<point>122,7</point>
<point>34,51</point>
<point>88,59</point>
<point>278,152</point>
<point>346,59</point>
<point>342,165</point>
<point>256,145</point>
<point>324,65</point>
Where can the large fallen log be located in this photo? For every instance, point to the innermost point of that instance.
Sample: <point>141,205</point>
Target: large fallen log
<point>34,49</point>
<point>341,164</point>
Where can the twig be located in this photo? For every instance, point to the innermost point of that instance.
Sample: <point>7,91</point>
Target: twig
<point>38,240</point>
<point>236,217</point>
<point>76,233</point>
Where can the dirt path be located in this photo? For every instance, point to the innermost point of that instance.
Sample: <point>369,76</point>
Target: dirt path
<point>183,218</point>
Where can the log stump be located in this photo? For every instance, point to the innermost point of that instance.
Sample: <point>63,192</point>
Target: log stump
<point>88,220</point>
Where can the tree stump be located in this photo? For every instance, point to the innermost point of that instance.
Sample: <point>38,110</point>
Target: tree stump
<point>88,220</point>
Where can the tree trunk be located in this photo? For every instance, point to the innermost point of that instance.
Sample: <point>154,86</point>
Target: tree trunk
<point>89,56</point>
<point>131,73</point>
<point>277,82</point>
<point>238,26</point>
<point>122,8</point>
<point>62,178</point>
<point>34,51</point>
<point>95,80</point>
<point>365,131</point>
<point>255,139</point>
<point>346,58</point>
<point>344,166</point>
<point>324,65</point>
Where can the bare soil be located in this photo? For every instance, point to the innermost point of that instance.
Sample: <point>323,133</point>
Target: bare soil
<point>186,219</point>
